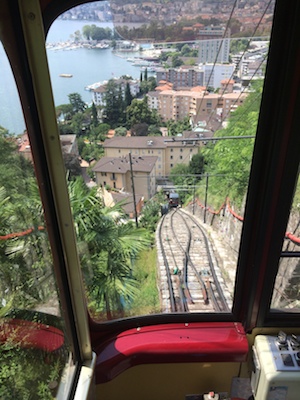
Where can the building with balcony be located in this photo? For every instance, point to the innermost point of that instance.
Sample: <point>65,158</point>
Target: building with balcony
<point>182,77</point>
<point>214,74</point>
<point>198,105</point>
<point>213,46</point>
<point>167,153</point>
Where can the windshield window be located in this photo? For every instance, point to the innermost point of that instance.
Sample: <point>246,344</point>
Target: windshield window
<point>164,99</point>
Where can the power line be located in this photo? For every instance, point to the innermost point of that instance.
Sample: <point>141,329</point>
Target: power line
<point>218,52</point>
<point>242,92</point>
<point>212,139</point>
<point>195,41</point>
<point>252,36</point>
<point>244,112</point>
<point>249,39</point>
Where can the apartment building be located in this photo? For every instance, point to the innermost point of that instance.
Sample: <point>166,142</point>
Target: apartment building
<point>185,78</point>
<point>226,86</point>
<point>115,172</point>
<point>230,101</point>
<point>153,100</point>
<point>214,74</point>
<point>213,46</point>
<point>181,77</point>
<point>168,153</point>
<point>198,105</point>
<point>177,105</point>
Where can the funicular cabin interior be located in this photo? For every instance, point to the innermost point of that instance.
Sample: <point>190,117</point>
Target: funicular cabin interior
<point>254,346</point>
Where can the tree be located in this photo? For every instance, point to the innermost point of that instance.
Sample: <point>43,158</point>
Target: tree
<point>176,127</point>
<point>87,31</point>
<point>72,165</point>
<point>196,165</point>
<point>77,123</point>
<point>93,32</point>
<point>77,103</point>
<point>139,112</point>
<point>106,249</point>
<point>99,133</point>
<point>153,130</point>
<point>146,75</point>
<point>128,95</point>
<point>179,173</point>
<point>150,215</point>
<point>126,77</point>
<point>235,26</point>
<point>64,112</point>
<point>191,61</point>
<point>151,83</point>
<point>121,106</point>
<point>21,375</point>
<point>230,160</point>
<point>121,131</point>
<point>112,103</point>
<point>176,61</point>
<point>91,151</point>
<point>147,85</point>
<point>101,34</point>
<point>14,168</point>
<point>94,115</point>
<point>143,87</point>
<point>77,36</point>
<point>185,50</point>
<point>238,45</point>
<point>139,129</point>
<point>103,129</point>
<point>28,279</point>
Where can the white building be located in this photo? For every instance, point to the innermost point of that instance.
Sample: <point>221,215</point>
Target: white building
<point>213,46</point>
<point>99,92</point>
<point>215,73</point>
<point>153,100</point>
<point>99,95</point>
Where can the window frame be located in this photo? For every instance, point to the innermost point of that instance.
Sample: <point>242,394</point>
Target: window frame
<point>23,39</point>
<point>259,226</point>
<point>273,177</point>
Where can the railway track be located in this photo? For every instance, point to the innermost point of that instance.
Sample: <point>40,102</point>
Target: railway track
<point>190,280</point>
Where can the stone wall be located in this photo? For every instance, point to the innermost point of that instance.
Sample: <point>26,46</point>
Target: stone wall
<point>227,226</point>
<point>287,285</point>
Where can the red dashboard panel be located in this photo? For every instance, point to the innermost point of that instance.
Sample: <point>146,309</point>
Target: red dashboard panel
<point>170,343</point>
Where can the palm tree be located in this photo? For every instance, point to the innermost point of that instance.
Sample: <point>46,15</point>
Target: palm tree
<point>28,277</point>
<point>107,245</point>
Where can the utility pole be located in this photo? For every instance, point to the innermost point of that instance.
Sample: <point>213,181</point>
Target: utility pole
<point>133,192</point>
<point>194,198</point>
<point>205,204</point>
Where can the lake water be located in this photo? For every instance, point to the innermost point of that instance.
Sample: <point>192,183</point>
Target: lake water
<point>86,65</point>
